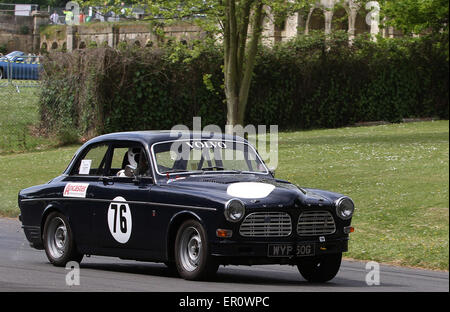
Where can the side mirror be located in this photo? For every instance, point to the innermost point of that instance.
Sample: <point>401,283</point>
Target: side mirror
<point>272,171</point>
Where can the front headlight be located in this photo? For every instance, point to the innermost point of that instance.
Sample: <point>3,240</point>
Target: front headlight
<point>234,210</point>
<point>344,208</point>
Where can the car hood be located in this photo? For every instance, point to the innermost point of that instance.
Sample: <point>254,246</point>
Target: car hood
<point>254,190</point>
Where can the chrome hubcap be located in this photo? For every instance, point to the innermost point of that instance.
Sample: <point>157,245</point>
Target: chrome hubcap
<point>57,238</point>
<point>190,249</point>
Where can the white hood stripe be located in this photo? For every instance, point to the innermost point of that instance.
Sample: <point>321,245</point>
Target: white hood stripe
<point>250,189</point>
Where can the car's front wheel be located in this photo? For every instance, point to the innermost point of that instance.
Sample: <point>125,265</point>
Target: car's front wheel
<point>192,257</point>
<point>58,239</point>
<point>320,269</point>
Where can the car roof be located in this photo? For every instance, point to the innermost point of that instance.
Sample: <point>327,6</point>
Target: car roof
<point>148,138</point>
<point>151,137</point>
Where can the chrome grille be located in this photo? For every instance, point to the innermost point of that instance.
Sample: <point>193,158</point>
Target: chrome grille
<point>266,224</point>
<point>315,223</point>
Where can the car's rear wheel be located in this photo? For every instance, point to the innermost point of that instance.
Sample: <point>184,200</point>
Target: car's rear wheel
<point>1,73</point>
<point>320,269</point>
<point>192,256</point>
<point>58,239</point>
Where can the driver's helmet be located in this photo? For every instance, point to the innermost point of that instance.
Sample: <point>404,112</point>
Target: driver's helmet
<point>133,156</point>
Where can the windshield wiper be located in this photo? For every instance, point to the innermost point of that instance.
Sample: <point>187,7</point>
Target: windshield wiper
<point>212,168</point>
<point>221,169</point>
<point>174,171</point>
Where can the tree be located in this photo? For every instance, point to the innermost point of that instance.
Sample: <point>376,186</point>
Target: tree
<point>238,24</point>
<point>416,16</point>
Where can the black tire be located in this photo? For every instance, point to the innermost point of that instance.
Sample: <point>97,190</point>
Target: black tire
<point>320,269</point>
<point>58,240</point>
<point>193,265</point>
<point>1,73</point>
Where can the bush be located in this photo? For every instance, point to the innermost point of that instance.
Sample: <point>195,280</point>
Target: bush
<point>306,83</point>
<point>24,30</point>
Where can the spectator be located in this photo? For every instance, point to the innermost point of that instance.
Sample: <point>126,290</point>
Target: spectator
<point>54,18</point>
<point>99,16</point>
<point>69,17</point>
<point>81,17</point>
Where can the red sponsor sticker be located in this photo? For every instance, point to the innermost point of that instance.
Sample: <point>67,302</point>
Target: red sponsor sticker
<point>75,190</point>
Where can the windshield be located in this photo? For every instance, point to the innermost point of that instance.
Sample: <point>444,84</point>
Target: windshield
<point>206,156</point>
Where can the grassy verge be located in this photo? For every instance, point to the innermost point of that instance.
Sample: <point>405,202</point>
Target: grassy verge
<point>18,171</point>
<point>398,176</point>
<point>18,112</point>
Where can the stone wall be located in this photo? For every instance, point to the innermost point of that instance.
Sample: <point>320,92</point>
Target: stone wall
<point>112,34</point>
<point>21,32</point>
<point>295,25</point>
<point>16,32</point>
<point>32,34</point>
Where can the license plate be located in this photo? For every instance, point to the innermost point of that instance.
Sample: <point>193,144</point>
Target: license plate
<point>289,250</point>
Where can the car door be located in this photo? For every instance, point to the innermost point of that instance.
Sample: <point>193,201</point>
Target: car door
<point>18,68</point>
<point>126,219</point>
<point>80,190</point>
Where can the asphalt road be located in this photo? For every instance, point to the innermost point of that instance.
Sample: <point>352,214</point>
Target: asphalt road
<point>25,269</point>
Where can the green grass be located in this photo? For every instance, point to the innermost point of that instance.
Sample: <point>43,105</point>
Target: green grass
<point>19,111</point>
<point>18,171</point>
<point>398,176</point>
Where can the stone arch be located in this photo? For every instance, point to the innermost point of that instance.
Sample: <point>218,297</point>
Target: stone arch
<point>122,44</point>
<point>44,46</point>
<point>137,43</point>
<point>317,20</point>
<point>340,20</point>
<point>149,44</point>
<point>82,45</point>
<point>54,45</point>
<point>64,46</point>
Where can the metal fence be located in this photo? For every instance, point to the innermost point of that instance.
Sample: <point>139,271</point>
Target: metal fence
<point>22,71</point>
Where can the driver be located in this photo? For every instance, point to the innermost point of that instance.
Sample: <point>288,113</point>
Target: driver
<point>131,158</point>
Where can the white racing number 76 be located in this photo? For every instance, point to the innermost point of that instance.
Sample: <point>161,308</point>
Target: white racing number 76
<point>119,220</point>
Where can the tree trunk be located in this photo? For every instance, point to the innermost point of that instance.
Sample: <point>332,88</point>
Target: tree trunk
<point>239,61</point>
<point>308,20</point>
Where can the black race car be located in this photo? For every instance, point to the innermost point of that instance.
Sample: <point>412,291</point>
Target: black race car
<point>191,200</point>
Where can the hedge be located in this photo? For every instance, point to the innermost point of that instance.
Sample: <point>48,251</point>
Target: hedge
<point>309,82</point>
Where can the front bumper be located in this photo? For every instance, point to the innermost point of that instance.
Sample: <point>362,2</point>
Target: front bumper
<point>256,252</point>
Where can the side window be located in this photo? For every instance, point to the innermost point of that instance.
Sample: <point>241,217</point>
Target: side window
<point>93,163</point>
<point>120,155</point>
<point>126,157</point>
